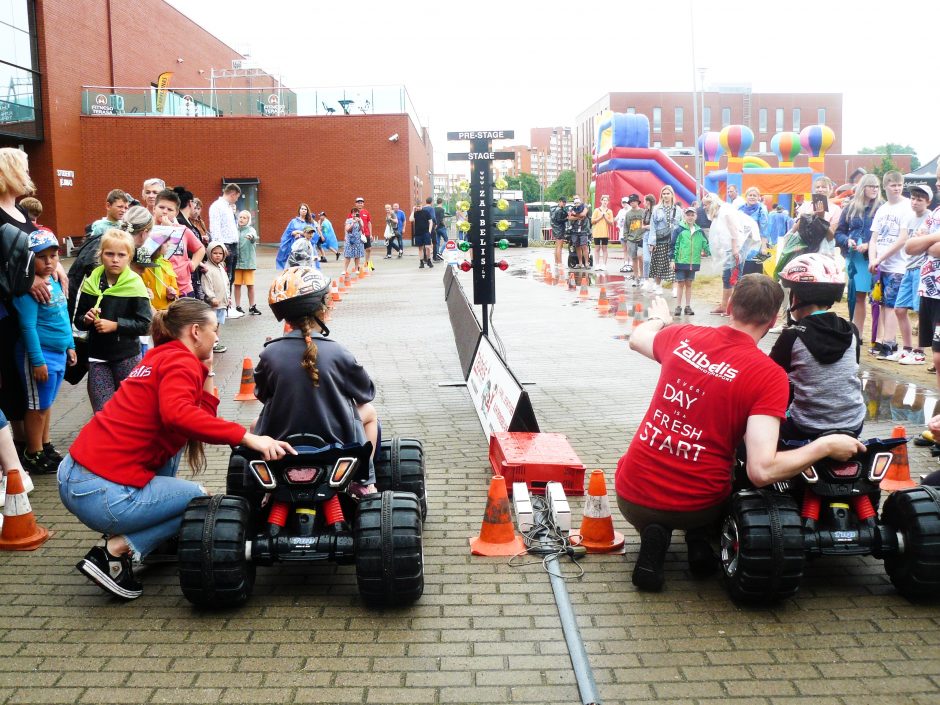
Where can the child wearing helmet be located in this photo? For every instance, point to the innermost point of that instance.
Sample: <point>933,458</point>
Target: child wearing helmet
<point>308,382</point>
<point>820,352</point>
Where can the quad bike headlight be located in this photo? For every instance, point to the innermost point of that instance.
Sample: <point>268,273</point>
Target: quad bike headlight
<point>263,474</point>
<point>342,471</point>
<point>879,466</point>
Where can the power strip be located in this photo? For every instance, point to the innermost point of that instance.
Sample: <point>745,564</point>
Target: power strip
<point>522,505</point>
<point>558,505</point>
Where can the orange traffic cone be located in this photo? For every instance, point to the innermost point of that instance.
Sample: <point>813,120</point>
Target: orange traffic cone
<point>334,292</point>
<point>20,530</point>
<point>548,278</point>
<point>898,476</point>
<point>572,283</point>
<point>363,272</point>
<point>597,533</point>
<point>246,390</point>
<point>341,284</point>
<point>583,294</point>
<point>603,305</point>
<point>497,535</point>
<point>622,313</point>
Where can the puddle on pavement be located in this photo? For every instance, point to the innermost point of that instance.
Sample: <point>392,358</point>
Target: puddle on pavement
<point>903,402</point>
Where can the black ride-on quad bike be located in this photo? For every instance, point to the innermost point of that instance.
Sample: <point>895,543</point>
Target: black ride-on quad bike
<point>831,510</point>
<point>300,509</point>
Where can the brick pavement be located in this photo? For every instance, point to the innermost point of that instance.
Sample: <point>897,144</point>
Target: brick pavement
<point>483,632</point>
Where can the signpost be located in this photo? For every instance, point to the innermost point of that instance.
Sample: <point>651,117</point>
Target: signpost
<point>481,155</point>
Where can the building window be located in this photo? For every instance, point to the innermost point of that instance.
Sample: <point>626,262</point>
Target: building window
<point>657,119</point>
<point>779,121</point>
<point>763,147</point>
<point>19,72</point>
<point>631,111</point>
<point>796,119</point>
<point>706,119</point>
<point>821,116</point>
<point>679,144</point>
<point>679,116</point>
<point>725,117</point>
<point>762,120</point>
<point>657,144</point>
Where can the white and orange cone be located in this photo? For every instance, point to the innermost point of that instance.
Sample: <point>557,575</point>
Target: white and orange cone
<point>597,533</point>
<point>20,531</point>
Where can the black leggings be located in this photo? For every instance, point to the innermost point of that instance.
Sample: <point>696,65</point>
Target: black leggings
<point>394,242</point>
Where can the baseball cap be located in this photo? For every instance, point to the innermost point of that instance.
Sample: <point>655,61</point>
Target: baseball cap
<point>40,240</point>
<point>923,188</point>
<point>689,209</point>
<point>360,198</point>
<point>309,229</point>
<point>633,197</point>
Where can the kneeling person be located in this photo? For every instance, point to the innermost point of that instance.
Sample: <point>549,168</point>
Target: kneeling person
<point>715,389</point>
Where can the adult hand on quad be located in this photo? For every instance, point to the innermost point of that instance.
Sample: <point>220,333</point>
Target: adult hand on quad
<point>843,447</point>
<point>269,448</point>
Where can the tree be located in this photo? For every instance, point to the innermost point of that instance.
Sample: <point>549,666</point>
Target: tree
<point>890,149</point>
<point>526,183</point>
<point>883,167</point>
<point>562,186</point>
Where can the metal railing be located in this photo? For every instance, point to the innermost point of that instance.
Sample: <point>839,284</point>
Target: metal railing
<point>271,101</point>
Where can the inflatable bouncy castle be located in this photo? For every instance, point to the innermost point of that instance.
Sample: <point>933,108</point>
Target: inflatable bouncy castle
<point>624,163</point>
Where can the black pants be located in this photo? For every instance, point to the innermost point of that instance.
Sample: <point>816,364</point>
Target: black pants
<point>231,262</point>
<point>394,242</point>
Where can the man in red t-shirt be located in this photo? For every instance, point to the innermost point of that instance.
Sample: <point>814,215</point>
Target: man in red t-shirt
<point>715,389</point>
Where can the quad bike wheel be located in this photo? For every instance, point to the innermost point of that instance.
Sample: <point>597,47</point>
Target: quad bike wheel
<point>214,571</point>
<point>915,569</point>
<point>389,550</point>
<point>399,467</point>
<point>762,547</point>
<point>239,482</point>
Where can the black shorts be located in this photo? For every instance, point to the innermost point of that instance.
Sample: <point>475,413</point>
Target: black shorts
<point>601,241</point>
<point>928,333</point>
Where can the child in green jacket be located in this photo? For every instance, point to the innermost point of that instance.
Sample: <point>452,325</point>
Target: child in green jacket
<point>689,244</point>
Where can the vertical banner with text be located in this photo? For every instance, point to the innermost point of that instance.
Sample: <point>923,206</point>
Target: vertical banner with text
<point>163,83</point>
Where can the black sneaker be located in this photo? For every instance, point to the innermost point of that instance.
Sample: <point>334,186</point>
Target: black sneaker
<point>886,351</point>
<point>253,311</point>
<point>677,312</point>
<point>111,573</point>
<point>337,256</point>
<point>430,265</point>
<point>240,309</point>
<point>421,266</point>
<point>38,463</point>
<point>648,571</point>
<point>702,559</point>
<point>323,259</point>
<point>689,311</point>
<point>877,349</point>
<point>400,254</point>
<point>52,455</point>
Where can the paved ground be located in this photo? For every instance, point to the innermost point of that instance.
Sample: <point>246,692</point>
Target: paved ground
<point>484,631</point>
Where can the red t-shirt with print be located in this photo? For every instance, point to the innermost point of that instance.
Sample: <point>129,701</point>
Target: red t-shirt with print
<point>712,380</point>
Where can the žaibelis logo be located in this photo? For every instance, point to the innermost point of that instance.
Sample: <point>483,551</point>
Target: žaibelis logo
<point>699,360</point>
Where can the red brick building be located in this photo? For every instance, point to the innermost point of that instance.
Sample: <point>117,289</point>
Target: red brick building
<point>76,159</point>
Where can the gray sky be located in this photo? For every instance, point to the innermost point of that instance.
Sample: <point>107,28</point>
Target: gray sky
<point>522,64</point>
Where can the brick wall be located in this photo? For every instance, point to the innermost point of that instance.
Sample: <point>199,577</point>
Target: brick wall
<point>324,161</point>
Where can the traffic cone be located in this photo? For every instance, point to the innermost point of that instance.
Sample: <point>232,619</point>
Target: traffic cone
<point>572,283</point>
<point>898,476</point>
<point>363,272</point>
<point>20,530</point>
<point>334,292</point>
<point>622,313</point>
<point>597,533</point>
<point>547,276</point>
<point>603,305</point>
<point>341,284</point>
<point>583,294</point>
<point>497,535</point>
<point>246,390</point>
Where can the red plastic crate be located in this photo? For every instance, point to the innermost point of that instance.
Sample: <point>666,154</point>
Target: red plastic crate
<point>536,459</point>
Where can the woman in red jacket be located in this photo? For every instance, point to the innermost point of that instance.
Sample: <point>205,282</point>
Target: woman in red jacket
<point>119,477</point>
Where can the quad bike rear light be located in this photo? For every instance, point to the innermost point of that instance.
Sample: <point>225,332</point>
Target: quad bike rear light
<point>879,466</point>
<point>342,470</point>
<point>301,476</point>
<point>263,474</point>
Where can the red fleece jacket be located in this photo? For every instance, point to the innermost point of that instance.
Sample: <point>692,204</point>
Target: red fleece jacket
<point>155,411</point>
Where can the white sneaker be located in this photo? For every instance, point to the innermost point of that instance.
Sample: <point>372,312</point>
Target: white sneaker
<point>895,356</point>
<point>911,358</point>
<point>232,313</point>
<point>657,290</point>
<point>675,292</point>
<point>598,267</point>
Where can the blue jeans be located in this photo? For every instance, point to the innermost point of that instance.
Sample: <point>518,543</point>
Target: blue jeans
<point>146,516</point>
<point>441,240</point>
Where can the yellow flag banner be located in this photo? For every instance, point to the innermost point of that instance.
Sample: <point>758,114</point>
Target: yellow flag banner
<point>162,84</point>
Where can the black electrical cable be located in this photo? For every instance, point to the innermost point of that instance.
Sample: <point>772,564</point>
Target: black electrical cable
<point>548,540</point>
